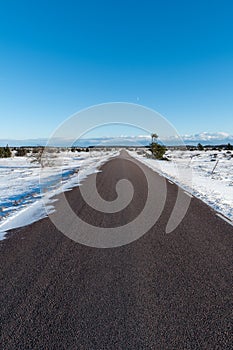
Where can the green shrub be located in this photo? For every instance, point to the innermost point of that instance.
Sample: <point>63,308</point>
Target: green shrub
<point>157,150</point>
<point>5,152</point>
<point>21,152</point>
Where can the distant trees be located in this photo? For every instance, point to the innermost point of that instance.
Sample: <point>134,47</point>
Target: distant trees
<point>5,152</point>
<point>77,149</point>
<point>229,147</point>
<point>156,149</point>
<point>200,147</point>
<point>21,152</point>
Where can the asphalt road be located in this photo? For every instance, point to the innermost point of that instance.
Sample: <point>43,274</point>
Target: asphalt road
<point>162,291</point>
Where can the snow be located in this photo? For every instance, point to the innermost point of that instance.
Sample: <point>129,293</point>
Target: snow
<point>23,184</point>
<point>193,171</point>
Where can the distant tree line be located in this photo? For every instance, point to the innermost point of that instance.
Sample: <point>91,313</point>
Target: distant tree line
<point>77,149</point>
<point>200,147</point>
<point>5,152</point>
<point>229,147</point>
<point>21,152</point>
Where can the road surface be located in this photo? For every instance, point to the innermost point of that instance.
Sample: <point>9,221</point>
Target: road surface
<point>162,291</point>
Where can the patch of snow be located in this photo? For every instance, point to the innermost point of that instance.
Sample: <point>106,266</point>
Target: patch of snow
<point>25,186</point>
<point>194,171</point>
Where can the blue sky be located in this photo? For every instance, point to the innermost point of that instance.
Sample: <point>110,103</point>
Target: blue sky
<point>57,57</point>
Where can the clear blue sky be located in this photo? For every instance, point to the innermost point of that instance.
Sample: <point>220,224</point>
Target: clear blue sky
<point>57,57</point>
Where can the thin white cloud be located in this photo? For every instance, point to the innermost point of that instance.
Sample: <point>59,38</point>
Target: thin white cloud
<point>206,136</point>
<point>203,137</point>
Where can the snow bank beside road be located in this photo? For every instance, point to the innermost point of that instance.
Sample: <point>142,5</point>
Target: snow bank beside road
<point>192,171</point>
<point>24,187</point>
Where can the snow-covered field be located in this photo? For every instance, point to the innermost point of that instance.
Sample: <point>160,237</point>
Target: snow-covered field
<point>23,184</point>
<point>193,171</point>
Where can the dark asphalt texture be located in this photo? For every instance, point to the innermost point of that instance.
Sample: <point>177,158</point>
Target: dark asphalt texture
<point>163,291</point>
